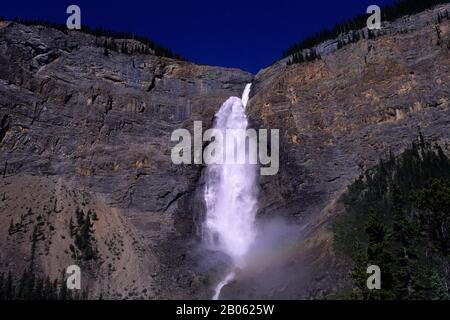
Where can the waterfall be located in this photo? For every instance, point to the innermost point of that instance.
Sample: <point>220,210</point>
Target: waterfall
<point>246,94</point>
<point>230,192</point>
<point>223,283</point>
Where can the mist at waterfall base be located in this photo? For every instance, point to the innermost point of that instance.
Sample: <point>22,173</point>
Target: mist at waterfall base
<point>231,198</point>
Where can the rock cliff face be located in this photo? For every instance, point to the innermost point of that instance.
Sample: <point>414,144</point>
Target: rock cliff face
<point>81,129</point>
<point>337,117</point>
<point>95,124</point>
<point>342,113</point>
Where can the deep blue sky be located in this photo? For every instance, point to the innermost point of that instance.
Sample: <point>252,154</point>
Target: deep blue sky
<point>243,34</point>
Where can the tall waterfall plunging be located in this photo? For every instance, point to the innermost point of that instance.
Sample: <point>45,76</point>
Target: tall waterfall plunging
<point>230,192</point>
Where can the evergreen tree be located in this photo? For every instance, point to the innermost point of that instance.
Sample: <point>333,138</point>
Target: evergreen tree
<point>2,286</point>
<point>9,288</point>
<point>63,293</point>
<point>34,239</point>
<point>438,287</point>
<point>47,291</point>
<point>83,235</point>
<point>39,289</point>
<point>71,227</point>
<point>434,201</point>
<point>401,223</point>
<point>358,273</point>
<point>389,13</point>
<point>11,227</point>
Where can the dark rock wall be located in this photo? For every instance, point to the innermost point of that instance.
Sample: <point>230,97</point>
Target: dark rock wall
<point>105,121</point>
<point>338,116</point>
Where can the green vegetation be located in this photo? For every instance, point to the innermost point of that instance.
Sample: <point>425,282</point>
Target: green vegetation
<point>350,27</point>
<point>109,44</point>
<point>82,234</point>
<point>31,286</point>
<point>398,217</point>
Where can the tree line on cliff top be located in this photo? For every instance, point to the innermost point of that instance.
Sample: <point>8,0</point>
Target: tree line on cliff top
<point>388,13</point>
<point>111,36</point>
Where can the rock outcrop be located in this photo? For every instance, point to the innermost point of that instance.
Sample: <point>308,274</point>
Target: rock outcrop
<point>340,115</point>
<point>101,125</point>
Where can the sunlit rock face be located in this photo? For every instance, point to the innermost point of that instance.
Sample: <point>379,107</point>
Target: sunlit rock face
<point>337,117</point>
<point>102,124</point>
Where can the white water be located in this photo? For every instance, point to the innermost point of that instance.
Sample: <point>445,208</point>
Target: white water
<point>230,193</point>
<point>223,283</point>
<point>246,94</point>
